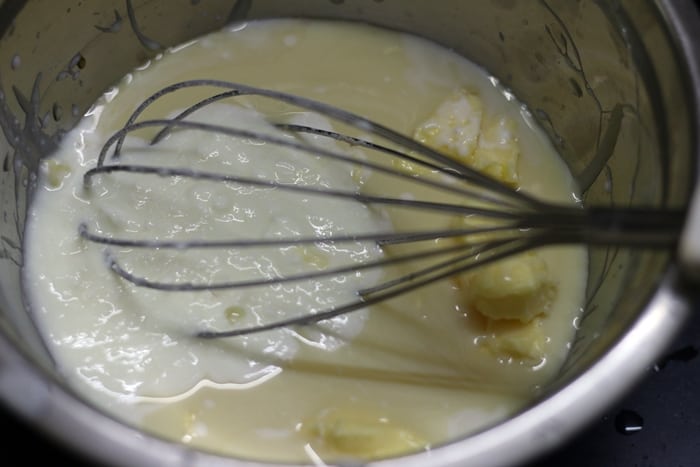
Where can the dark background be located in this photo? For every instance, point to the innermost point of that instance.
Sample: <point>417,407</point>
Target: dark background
<point>667,408</point>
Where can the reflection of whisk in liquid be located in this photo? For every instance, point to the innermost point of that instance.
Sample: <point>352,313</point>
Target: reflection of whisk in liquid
<point>499,221</point>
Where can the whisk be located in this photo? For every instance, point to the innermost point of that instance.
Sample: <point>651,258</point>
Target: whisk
<point>511,221</point>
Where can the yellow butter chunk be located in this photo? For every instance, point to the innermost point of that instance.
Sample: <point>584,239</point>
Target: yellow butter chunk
<point>497,153</point>
<point>455,126</point>
<point>234,313</point>
<point>459,129</point>
<point>516,340</point>
<point>56,172</point>
<point>360,434</point>
<point>517,288</point>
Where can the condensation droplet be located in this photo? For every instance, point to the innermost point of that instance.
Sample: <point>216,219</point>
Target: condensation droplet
<point>628,422</point>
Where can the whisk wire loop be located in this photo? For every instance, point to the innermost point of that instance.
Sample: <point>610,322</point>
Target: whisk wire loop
<point>505,221</point>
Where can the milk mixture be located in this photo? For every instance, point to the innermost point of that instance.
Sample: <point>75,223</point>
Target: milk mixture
<point>397,377</point>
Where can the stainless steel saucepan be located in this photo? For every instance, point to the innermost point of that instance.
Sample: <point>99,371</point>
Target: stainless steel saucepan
<point>615,84</point>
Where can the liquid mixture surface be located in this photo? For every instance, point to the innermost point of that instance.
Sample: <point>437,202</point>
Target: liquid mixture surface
<point>401,376</point>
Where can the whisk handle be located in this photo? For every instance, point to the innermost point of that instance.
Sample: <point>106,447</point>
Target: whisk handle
<point>626,227</point>
<point>639,226</point>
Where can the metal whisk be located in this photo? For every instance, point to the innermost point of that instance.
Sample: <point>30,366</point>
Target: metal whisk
<point>511,221</point>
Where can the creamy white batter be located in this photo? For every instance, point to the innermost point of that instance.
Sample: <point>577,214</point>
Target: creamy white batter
<point>404,375</point>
